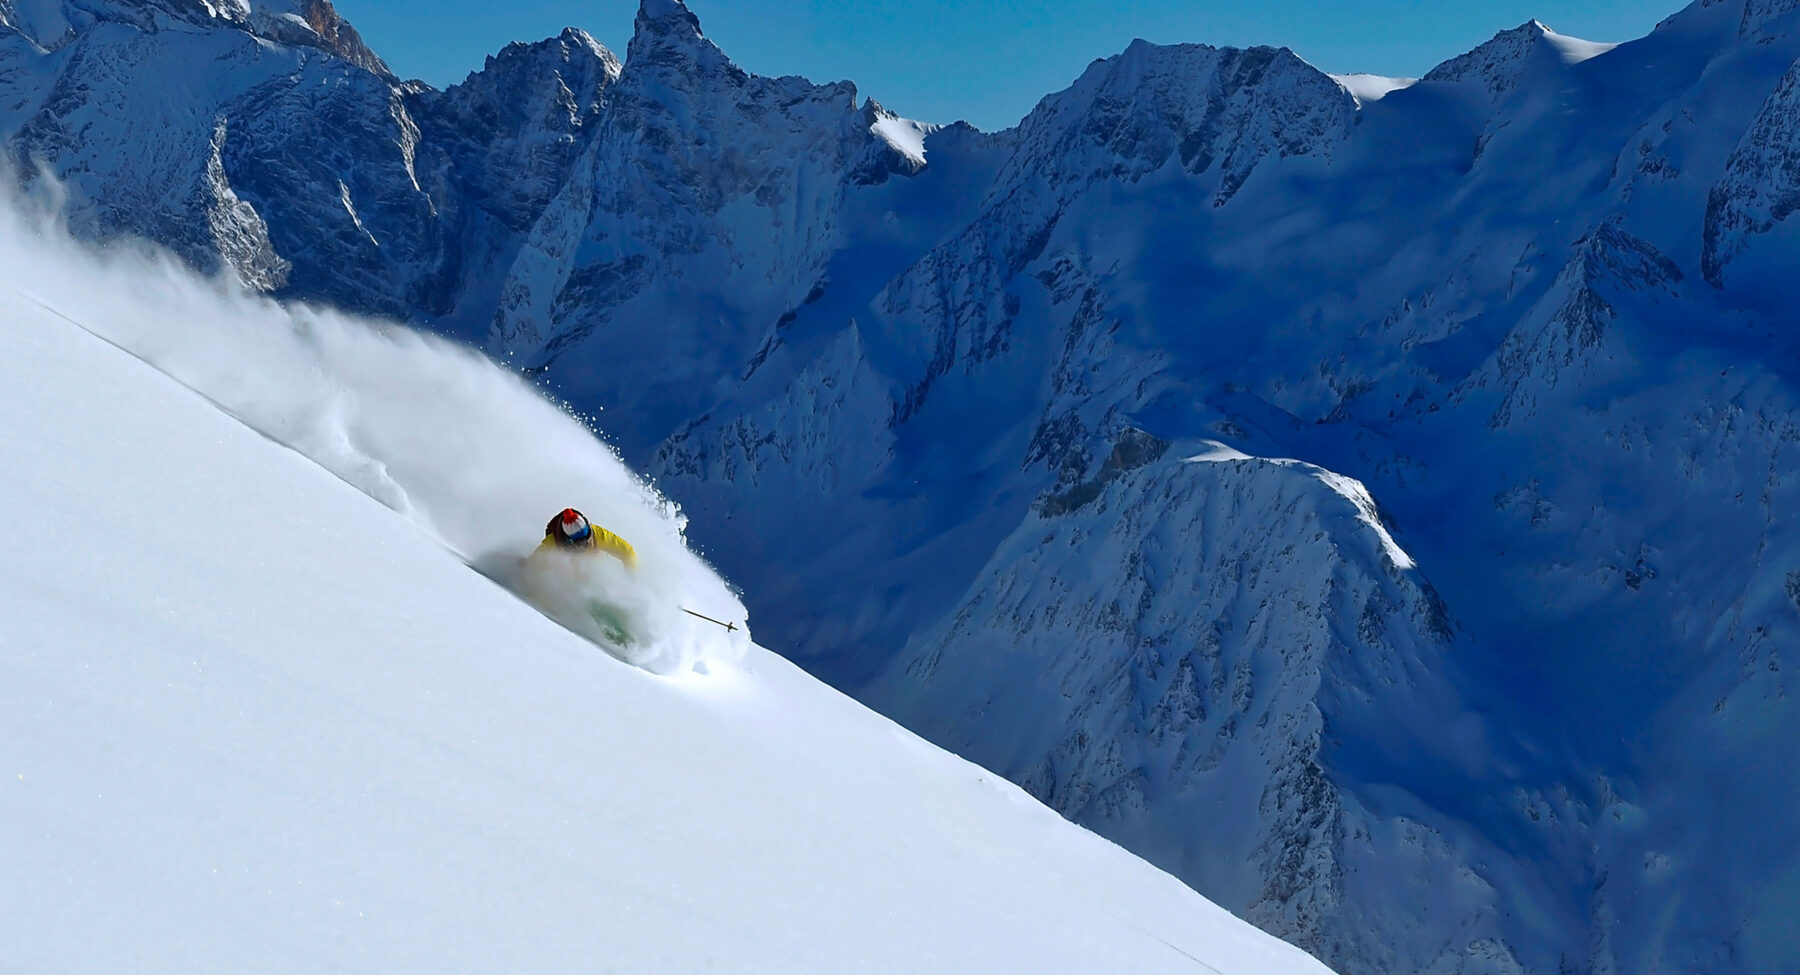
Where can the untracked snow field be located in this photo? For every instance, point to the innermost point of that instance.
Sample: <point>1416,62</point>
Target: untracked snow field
<point>254,720</point>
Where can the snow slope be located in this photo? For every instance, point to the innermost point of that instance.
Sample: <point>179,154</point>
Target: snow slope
<point>1371,87</point>
<point>251,720</point>
<point>465,450</point>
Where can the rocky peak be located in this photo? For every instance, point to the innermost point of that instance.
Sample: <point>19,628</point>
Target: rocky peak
<point>686,136</point>
<point>1498,64</point>
<point>1761,184</point>
<point>1760,15</point>
<point>1554,345</point>
<point>302,23</point>
<point>312,23</point>
<point>515,128</point>
<point>1229,108</point>
<point>666,34</point>
<point>667,17</point>
<point>574,39</point>
<point>1611,257</point>
<point>581,64</point>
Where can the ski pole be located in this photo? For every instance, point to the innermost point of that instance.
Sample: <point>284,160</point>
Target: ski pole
<point>729,627</point>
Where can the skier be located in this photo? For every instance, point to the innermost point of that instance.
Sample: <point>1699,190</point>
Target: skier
<point>570,531</point>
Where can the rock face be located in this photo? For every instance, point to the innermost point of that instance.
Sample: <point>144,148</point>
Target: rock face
<point>1373,512</point>
<point>702,179</point>
<point>1208,111</point>
<point>512,135</point>
<point>270,142</point>
<point>1497,66</point>
<point>1181,669</point>
<point>1761,187</point>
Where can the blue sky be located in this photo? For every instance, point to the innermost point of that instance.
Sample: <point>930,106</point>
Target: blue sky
<point>986,62</point>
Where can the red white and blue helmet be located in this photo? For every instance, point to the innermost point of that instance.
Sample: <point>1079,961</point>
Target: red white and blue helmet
<point>570,525</point>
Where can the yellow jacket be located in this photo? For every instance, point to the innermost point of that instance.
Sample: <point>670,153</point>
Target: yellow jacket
<point>598,540</point>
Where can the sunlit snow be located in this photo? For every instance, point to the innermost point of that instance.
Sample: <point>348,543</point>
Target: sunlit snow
<point>1574,50</point>
<point>467,451</point>
<point>1372,87</point>
<point>251,720</point>
<point>905,135</point>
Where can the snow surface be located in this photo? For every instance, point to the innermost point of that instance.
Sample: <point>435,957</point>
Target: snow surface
<point>1372,87</point>
<point>464,449</point>
<point>251,721</point>
<point>905,135</point>
<point>1574,50</point>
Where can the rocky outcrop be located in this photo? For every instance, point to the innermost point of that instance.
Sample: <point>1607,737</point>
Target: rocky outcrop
<point>1215,113</point>
<point>702,176</point>
<point>1159,665</point>
<point>303,166</point>
<point>1556,343</point>
<point>1497,66</point>
<point>514,129</point>
<point>1761,186</point>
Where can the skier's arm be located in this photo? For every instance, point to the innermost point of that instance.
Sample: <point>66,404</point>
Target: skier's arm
<point>606,541</point>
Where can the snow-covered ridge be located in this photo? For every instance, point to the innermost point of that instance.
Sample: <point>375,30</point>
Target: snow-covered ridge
<point>50,24</point>
<point>1761,185</point>
<point>1177,673</point>
<point>905,135</point>
<point>282,138</point>
<point>1574,50</point>
<point>1372,87</point>
<point>1217,113</point>
<point>701,176</point>
<point>1500,63</point>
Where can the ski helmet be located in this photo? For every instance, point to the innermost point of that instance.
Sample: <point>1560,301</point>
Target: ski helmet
<point>571,525</point>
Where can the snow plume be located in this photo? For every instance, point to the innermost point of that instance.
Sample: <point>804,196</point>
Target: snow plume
<point>466,450</point>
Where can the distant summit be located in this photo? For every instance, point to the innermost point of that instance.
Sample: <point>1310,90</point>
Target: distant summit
<point>1499,64</point>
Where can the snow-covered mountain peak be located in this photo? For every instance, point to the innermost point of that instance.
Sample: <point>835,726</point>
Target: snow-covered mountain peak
<point>699,164</point>
<point>1201,108</point>
<point>905,136</point>
<point>1502,61</point>
<point>1756,21</point>
<point>572,44</point>
<point>667,10</point>
<point>313,23</point>
<point>304,23</point>
<point>515,128</point>
<point>1497,52</point>
<point>578,37</point>
<point>1156,680</point>
<point>573,51</point>
<point>665,31</point>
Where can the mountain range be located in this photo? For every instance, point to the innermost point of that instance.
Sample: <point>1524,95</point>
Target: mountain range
<point>1364,498</point>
